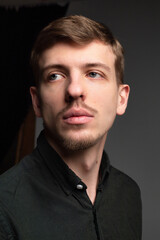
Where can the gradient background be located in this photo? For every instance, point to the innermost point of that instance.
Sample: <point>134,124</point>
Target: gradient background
<point>133,143</point>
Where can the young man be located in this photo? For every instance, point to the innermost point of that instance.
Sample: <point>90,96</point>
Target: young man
<point>67,189</point>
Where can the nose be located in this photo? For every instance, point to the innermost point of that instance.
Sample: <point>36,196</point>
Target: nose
<point>75,89</point>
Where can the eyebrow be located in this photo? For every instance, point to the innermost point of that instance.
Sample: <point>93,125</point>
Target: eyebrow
<point>97,64</point>
<point>54,66</point>
<point>86,65</point>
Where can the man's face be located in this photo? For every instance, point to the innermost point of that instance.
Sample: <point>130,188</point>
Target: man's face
<point>78,97</point>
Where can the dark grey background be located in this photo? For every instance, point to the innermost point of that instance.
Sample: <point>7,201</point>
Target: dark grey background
<point>133,142</point>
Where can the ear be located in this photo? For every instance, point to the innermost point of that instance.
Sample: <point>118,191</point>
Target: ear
<point>35,101</point>
<point>123,95</point>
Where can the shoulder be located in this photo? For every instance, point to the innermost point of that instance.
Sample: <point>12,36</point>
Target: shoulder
<point>12,180</point>
<point>122,182</point>
<point>26,164</point>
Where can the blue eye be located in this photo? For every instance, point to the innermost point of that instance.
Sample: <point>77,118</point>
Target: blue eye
<point>94,75</point>
<point>55,76</point>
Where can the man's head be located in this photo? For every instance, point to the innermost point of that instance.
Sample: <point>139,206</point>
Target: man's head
<point>77,30</point>
<point>79,67</point>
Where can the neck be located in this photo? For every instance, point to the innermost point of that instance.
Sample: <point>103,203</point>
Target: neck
<point>85,164</point>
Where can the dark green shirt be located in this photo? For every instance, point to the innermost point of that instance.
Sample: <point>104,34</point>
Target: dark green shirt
<point>42,199</point>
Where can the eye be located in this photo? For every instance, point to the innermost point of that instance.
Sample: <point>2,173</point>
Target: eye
<point>54,76</point>
<point>94,75</point>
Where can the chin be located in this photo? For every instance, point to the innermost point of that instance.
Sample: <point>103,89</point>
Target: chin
<point>74,146</point>
<point>74,141</point>
<point>78,143</point>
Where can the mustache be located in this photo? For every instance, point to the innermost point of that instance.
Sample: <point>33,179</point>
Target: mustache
<point>78,105</point>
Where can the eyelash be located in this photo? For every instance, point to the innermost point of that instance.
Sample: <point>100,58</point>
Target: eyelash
<point>55,75</point>
<point>94,74</point>
<point>100,75</point>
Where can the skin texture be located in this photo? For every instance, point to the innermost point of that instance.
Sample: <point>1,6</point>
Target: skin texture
<point>78,99</point>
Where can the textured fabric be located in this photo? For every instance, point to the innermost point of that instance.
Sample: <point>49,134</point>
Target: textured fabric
<point>42,199</point>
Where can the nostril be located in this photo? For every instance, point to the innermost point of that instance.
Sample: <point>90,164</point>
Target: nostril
<point>71,98</point>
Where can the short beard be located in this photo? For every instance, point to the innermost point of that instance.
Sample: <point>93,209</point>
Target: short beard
<point>71,145</point>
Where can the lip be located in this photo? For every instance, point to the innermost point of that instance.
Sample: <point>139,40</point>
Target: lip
<point>77,116</point>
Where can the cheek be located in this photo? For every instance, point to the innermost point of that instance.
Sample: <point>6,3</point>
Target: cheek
<point>49,106</point>
<point>49,91</point>
<point>51,99</point>
<point>108,105</point>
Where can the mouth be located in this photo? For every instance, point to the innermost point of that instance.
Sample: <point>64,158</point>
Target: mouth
<point>77,116</point>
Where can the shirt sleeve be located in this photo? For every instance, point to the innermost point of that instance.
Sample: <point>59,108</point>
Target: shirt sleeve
<point>6,232</point>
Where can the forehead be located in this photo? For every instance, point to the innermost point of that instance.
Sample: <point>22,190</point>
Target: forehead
<point>76,55</point>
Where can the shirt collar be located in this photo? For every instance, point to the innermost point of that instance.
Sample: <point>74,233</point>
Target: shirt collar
<point>67,179</point>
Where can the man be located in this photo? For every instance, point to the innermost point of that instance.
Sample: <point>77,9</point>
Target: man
<point>67,189</point>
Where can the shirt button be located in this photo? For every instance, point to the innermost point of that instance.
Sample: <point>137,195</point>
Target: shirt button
<point>79,186</point>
